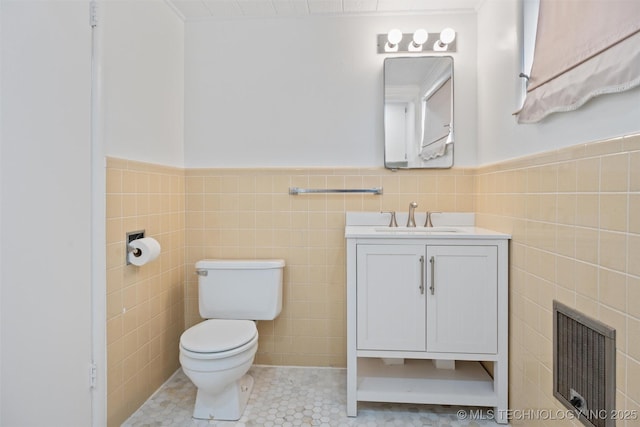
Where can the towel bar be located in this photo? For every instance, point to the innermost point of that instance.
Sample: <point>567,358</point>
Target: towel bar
<point>297,190</point>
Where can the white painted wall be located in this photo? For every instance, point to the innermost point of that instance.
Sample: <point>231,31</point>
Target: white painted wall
<point>499,95</point>
<point>142,69</point>
<point>45,177</point>
<point>305,91</point>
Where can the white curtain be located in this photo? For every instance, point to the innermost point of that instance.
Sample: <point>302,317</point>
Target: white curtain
<point>584,48</point>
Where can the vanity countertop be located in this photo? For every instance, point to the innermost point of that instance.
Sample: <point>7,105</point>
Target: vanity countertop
<point>446,225</point>
<point>377,232</point>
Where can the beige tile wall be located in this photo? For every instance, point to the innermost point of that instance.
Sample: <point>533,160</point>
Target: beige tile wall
<point>573,213</point>
<point>248,213</point>
<point>575,219</point>
<point>145,305</point>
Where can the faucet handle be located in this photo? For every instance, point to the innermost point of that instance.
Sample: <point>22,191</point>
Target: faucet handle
<point>427,222</point>
<point>392,221</point>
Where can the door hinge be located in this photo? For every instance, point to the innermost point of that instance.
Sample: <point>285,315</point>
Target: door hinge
<point>93,14</point>
<point>93,373</point>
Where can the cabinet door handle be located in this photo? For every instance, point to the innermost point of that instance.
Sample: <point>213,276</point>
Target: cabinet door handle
<point>422,275</point>
<point>432,287</point>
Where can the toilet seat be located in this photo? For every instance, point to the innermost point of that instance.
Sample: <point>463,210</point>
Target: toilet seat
<point>216,338</point>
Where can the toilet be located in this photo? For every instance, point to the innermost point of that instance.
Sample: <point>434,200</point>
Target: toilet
<point>216,354</point>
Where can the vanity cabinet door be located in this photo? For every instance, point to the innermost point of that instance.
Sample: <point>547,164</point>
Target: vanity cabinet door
<point>462,299</point>
<point>390,297</point>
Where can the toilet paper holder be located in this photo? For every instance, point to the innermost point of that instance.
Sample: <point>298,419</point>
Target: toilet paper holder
<point>131,236</point>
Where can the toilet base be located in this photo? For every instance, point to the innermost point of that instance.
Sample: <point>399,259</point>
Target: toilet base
<point>227,405</point>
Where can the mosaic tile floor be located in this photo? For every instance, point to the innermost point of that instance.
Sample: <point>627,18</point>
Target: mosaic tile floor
<point>292,396</point>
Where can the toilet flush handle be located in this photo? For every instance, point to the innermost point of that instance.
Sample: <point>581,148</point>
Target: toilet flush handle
<point>203,273</point>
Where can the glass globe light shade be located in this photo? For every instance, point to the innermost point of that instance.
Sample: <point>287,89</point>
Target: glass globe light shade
<point>447,35</point>
<point>394,37</point>
<point>420,37</point>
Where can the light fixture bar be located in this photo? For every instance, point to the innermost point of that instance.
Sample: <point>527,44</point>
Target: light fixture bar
<point>406,44</point>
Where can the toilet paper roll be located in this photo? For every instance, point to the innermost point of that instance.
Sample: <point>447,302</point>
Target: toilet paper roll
<point>141,251</point>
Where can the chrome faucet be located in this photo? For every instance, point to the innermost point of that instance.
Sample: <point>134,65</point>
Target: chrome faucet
<point>411,220</point>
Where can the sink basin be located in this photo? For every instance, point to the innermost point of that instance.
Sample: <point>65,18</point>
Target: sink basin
<point>417,230</point>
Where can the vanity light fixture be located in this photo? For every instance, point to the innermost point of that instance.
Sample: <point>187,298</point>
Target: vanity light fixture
<point>395,41</point>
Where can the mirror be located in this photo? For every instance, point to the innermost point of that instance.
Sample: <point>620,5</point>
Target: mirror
<point>418,112</point>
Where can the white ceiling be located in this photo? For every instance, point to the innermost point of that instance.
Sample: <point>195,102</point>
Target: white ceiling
<point>190,9</point>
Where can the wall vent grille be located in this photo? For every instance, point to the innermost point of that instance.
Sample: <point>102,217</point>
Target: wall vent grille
<point>584,365</point>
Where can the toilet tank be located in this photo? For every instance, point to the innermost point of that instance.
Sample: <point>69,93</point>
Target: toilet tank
<point>240,289</point>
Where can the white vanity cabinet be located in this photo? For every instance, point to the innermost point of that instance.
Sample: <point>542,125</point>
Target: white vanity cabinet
<point>417,299</point>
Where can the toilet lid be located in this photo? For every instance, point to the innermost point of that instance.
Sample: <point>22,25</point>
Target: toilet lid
<point>217,335</point>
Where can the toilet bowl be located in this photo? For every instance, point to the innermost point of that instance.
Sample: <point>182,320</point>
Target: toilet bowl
<point>216,354</point>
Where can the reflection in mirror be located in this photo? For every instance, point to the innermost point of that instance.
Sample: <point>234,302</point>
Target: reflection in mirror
<point>418,112</point>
